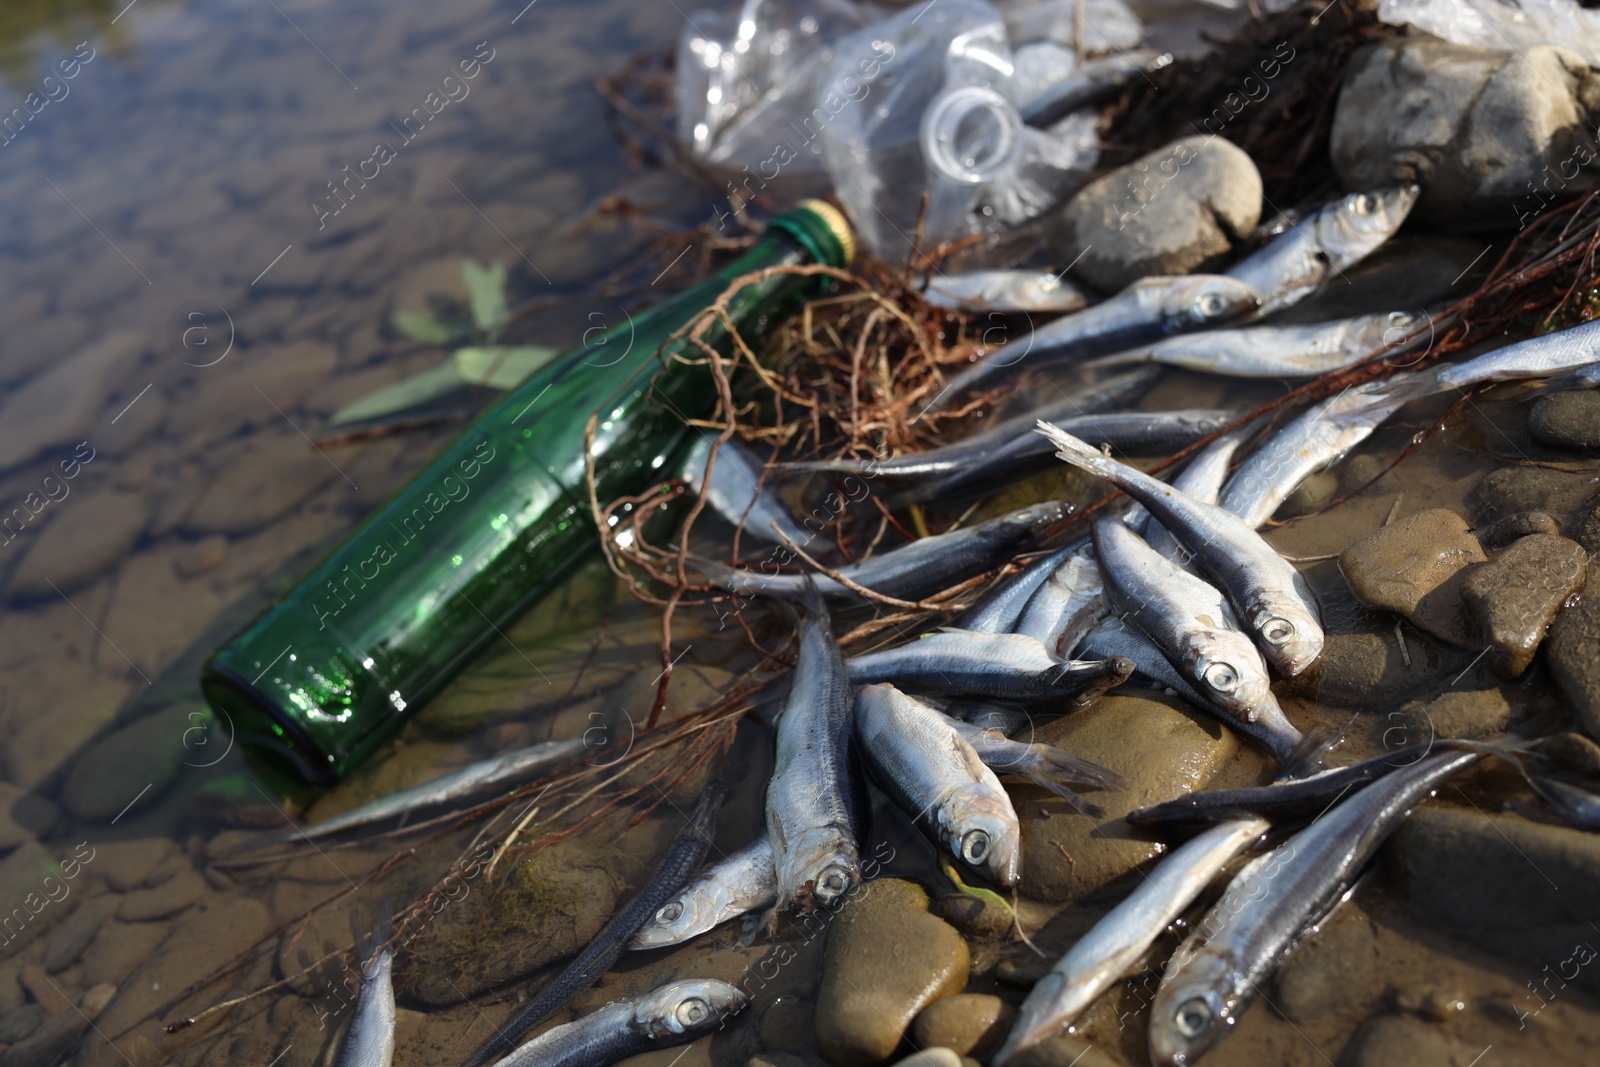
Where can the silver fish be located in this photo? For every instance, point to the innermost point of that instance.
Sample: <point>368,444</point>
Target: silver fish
<point>939,780</point>
<point>1190,621</point>
<point>1006,666</point>
<point>674,1014</point>
<point>1269,906</point>
<point>1272,599</point>
<point>810,806</point>
<point>1319,438</point>
<point>1044,765</point>
<point>1537,357</point>
<point>1066,604</point>
<point>912,571</point>
<point>743,882</point>
<point>497,772</point>
<point>1201,480</point>
<point>1314,250</point>
<point>1148,309</point>
<point>737,491</point>
<point>1091,83</point>
<point>370,1040</point>
<point>998,610</point>
<point>1121,937</point>
<point>1585,377</point>
<point>1004,290</point>
<point>1301,351</point>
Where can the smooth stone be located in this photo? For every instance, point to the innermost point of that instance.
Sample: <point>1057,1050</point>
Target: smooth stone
<point>49,1044</point>
<point>931,1057</point>
<point>1310,495</point>
<point>1394,1039</point>
<point>785,1023</point>
<point>1573,752</point>
<point>23,888</point>
<point>58,406</point>
<point>1514,598</point>
<point>115,770</point>
<point>1569,420</point>
<point>125,864</point>
<point>259,487</point>
<point>164,901</point>
<point>1502,532</point>
<point>1355,474</point>
<point>255,386</point>
<point>1368,672</point>
<point>68,941</point>
<point>1413,568</point>
<point>1331,972</point>
<point>24,816</point>
<point>1589,531</point>
<point>88,536</point>
<point>543,910</point>
<point>1164,750</point>
<point>885,958</point>
<point>971,1024</point>
<point>12,995</point>
<point>1138,220</point>
<point>44,742</point>
<point>1570,651</point>
<point>1509,490</point>
<point>1065,1051</point>
<point>1517,888</point>
<point>47,994</point>
<point>204,555</point>
<point>1475,715</point>
<point>1477,129</point>
<point>19,1022</point>
<point>118,950</point>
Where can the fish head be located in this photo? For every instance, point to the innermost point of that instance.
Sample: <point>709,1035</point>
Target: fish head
<point>1034,519</point>
<point>1291,637</point>
<point>1192,1011</point>
<point>688,1009</point>
<point>1348,229</point>
<point>1228,671</point>
<point>677,920</point>
<point>1209,299</point>
<point>981,830</point>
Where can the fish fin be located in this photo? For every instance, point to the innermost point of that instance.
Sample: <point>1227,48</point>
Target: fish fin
<point>1073,450</point>
<point>1306,758</point>
<point>715,571</point>
<point>1083,806</point>
<point>1064,766</point>
<point>821,466</point>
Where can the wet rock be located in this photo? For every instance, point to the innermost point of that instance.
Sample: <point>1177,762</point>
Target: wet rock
<point>1331,972</point>
<point>1355,474</point>
<point>1479,130</point>
<point>44,742</point>
<point>165,900</point>
<point>1573,752</point>
<point>24,816</point>
<point>1311,494</point>
<point>48,1044</point>
<point>1569,420</point>
<point>260,487</point>
<point>1413,568</point>
<point>971,1024</point>
<point>1476,714</point>
<point>204,555</point>
<point>546,909</point>
<point>786,1023</point>
<point>1589,531</point>
<point>67,942</point>
<point>119,948</point>
<point>47,994</point>
<point>125,864</point>
<point>1395,1039</point>
<point>1502,532</point>
<point>58,406</point>
<point>1170,212</point>
<point>1372,672</point>
<point>116,769</point>
<point>19,1022</point>
<point>1513,599</point>
<point>38,904</point>
<point>885,959</point>
<point>92,532</point>
<point>260,382</point>
<point>1164,750</point>
<point>1570,651</point>
<point>1515,887</point>
<point>11,995</point>
<point>1510,490</point>
<point>1066,1052</point>
<point>1435,1003</point>
<point>931,1057</point>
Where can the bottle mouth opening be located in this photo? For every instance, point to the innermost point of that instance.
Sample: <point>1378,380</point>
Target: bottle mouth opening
<point>257,726</point>
<point>971,134</point>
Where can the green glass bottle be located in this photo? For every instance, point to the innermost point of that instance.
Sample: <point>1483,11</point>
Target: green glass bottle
<point>436,573</point>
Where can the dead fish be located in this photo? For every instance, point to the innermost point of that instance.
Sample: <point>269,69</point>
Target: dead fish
<point>741,883</point>
<point>674,1014</point>
<point>1066,604</point>
<point>998,610</point>
<point>924,763</point>
<point>1044,765</point>
<point>1315,249</point>
<point>1269,907</point>
<point>1585,377</point>
<point>370,1040</point>
<point>1538,357</point>
<point>1005,666</point>
<point>1300,351</point>
<point>1201,480</point>
<point>738,493</point>
<point>1004,290</point>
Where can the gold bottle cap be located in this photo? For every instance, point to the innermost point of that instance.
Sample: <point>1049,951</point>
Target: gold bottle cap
<point>837,224</point>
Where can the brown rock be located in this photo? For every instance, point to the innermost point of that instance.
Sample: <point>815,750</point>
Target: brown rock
<point>1370,671</point>
<point>884,960</point>
<point>971,1024</point>
<point>204,555</point>
<point>125,864</point>
<point>89,535</point>
<point>260,487</point>
<point>1332,971</point>
<point>1413,568</point>
<point>1513,599</point>
<point>1570,651</point>
<point>119,948</point>
<point>164,901</point>
<point>1475,715</point>
<point>1163,749</point>
<point>1394,1039</point>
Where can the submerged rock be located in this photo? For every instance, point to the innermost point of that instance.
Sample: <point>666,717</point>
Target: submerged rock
<point>1502,532</point>
<point>88,536</point>
<point>1475,715</point>
<point>1372,671</point>
<point>1509,490</point>
<point>1170,212</point>
<point>972,1024</point>
<point>1570,650</point>
<point>1489,135</point>
<point>116,770</point>
<point>1164,750</point>
<point>260,487</point>
<point>1569,420</point>
<point>885,959</point>
<point>1413,568</point>
<point>1513,599</point>
<point>1394,1039</point>
<point>1332,971</point>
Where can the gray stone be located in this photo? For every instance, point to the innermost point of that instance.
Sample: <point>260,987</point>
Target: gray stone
<point>1476,715</point>
<point>58,406</point>
<point>261,486</point>
<point>1589,531</point>
<point>1163,749</point>
<point>1331,972</point>
<point>970,1024</point>
<point>1516,887</point>
<point>17,1023</point>
<point>115,770</point>
<point>24,816</point>
<point>125,864</point>
<point>1476,129</point>
<point>1413,568</point>
<point>884,960</point>
<point>118,950</point>
<point>67,941</point>
<point>92,532</point>
<point>165,900</point>
<point>1510,490</point>
<point>31,883</point>
<point>1173,211</point>
<point>1394,1039</point>
<point>1569,420</point>
<point>1513,599</point>
<point>48,1044</point>
<point>43,743</point>
<point>1570,651</point>
<point>934,1056</point>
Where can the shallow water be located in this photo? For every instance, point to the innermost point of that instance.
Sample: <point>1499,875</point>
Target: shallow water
<point>166,224</point>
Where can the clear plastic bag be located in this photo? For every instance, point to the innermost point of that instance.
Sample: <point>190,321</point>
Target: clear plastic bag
<point>1107,24</point>
<point>1501,25</point>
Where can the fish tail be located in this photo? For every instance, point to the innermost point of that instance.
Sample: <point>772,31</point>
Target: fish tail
<point>1051,785</point>
<point>1049,761</point>
<point>1077,452</point>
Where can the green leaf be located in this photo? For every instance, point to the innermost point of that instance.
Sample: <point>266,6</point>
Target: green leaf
<point>500,366</point>
<point>988,896</point>
<point>406,393</point>
<point>486,287</point>
<point>429,329</point>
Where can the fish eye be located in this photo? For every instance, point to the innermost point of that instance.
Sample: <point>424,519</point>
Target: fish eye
<point>1210,305</point>
<point>1364,203</point>
<point>974,846</point>
<point>1193,1017</point>
<point>670,912</point>
<point>832,884</point>
<point>1277,630</point>
<point>1401,318</point>
<point>692,1011</point>
<point>1221,677</point>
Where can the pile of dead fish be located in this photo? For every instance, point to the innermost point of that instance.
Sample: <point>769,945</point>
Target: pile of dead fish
<point>1178,591</point>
